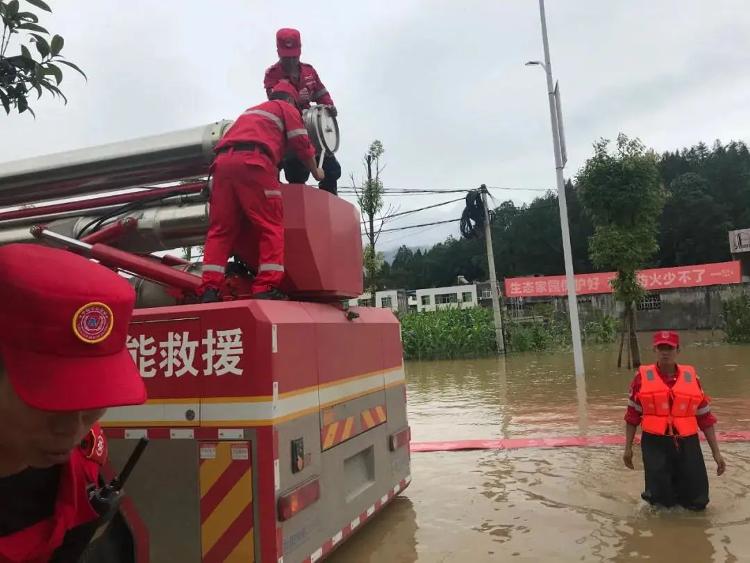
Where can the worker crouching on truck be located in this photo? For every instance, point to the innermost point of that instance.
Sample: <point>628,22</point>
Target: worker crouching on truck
<point>63,361</point>
<point>246,188</point>
<point>667,400</point>
<point>307,82</point>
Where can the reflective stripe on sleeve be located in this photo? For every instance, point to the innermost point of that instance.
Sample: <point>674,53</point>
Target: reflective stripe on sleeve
<point>296,133</point>
<point>273,193</point>
<point>635,405</point>
<point>268,115</point>
<point>704,410</point>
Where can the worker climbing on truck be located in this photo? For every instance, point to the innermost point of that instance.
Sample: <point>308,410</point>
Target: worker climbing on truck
<point>305,78</point>
<point>246,188</point>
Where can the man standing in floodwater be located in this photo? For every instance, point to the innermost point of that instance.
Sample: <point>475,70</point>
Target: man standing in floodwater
<point>667,400</point>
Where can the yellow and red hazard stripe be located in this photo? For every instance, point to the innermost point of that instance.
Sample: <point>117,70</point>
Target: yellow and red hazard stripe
<point>337,432</point>
<point>373,416</point>
<point>226,505</point>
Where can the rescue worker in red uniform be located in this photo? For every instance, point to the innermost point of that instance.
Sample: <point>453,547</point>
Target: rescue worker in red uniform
<point>63,362</point>
<point>667,400</point>
<point>246,189</point>
<point>304,77</point>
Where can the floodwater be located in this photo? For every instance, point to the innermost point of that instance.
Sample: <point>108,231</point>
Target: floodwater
<point>555,504</point>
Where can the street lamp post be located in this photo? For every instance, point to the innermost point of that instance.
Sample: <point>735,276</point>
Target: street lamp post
<point>558,140</point>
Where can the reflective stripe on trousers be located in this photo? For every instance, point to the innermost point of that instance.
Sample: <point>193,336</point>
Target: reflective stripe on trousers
<point>241,214</point>
<point>271,268</point>
<point>213,268</point>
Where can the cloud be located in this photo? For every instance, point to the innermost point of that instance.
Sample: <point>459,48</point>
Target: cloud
<point>441,83</point>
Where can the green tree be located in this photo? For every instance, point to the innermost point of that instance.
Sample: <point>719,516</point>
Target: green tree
<point>623,195</point>
<point>26,71</point>
<point>370,201</point>
<point>724,190</point>
<point>694,225</point>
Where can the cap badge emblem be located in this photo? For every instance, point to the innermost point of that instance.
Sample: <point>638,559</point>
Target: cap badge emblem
<point>93,322</point>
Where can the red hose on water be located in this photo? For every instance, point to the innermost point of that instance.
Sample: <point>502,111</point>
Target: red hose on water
<point>555,442</point>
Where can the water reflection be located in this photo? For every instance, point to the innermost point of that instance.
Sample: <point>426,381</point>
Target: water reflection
<point>390,536</point>
<point>566,504</point>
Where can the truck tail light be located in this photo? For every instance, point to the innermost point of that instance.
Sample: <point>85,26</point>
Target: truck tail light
<point>400,439</point>
<point>300,498</point>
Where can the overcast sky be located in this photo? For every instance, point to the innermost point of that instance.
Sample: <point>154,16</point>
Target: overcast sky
<point>441,83</point>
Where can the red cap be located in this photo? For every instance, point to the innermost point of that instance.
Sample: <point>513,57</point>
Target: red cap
<point>63,326</point>
<point>288,43</point>
<point>667,337</point>
<point>288,88</point>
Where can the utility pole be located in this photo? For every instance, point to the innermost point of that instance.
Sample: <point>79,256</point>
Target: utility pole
<point>493,276</point>
<point>558,140</point>
<point>371,232</point>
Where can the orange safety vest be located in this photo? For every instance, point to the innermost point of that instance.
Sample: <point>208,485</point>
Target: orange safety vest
<point>670,411</point>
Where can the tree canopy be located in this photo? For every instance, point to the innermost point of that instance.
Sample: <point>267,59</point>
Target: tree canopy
<point>706,193</point>
<point>35,63</point>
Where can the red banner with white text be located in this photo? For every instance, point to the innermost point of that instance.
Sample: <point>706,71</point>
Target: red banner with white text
<point>656,279</point>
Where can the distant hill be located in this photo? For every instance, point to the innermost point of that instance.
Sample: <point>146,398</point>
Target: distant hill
<point>390,254</point>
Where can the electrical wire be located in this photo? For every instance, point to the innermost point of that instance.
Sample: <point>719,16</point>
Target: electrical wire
<point>406,227</point>
<point>418,226</point>
<point>348,190</point>
<point>411,211</point>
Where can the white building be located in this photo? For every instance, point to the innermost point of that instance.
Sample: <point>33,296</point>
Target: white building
<point>434,298</point>
<point>429,299</point>
<point>364,300</point>
<point>393,299</point>
<point>411,300</point>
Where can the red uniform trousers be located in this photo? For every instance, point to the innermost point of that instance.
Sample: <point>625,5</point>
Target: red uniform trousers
<point>244,190</point>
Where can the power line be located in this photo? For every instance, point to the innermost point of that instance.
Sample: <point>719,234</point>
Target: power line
<point>520,189</point>
<point>424,191</point>
<point>418,226</point>
<point>390,237</point>
<point>409,212</point>
<point>423,208</point>
<point>545,206</point>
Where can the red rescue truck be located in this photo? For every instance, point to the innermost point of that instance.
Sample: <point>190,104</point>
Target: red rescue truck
<point>276,428</point>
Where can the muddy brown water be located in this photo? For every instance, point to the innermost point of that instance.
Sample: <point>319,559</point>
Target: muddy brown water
<point>554,504</point>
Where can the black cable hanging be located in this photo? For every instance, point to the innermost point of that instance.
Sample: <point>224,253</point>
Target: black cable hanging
<point>472,218</point>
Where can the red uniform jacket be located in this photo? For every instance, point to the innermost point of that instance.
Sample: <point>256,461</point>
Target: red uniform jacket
<point>705,417</point>
<point>275,126</point>
<point>310,87</point>
<point>37,543</point>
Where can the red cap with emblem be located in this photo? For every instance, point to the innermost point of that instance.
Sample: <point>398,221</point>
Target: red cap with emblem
<point>667,337</point>
<point>63,328</point>
<point>288,43</point>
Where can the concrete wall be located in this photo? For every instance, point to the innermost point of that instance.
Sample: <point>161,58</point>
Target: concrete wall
<point>680,309</point>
